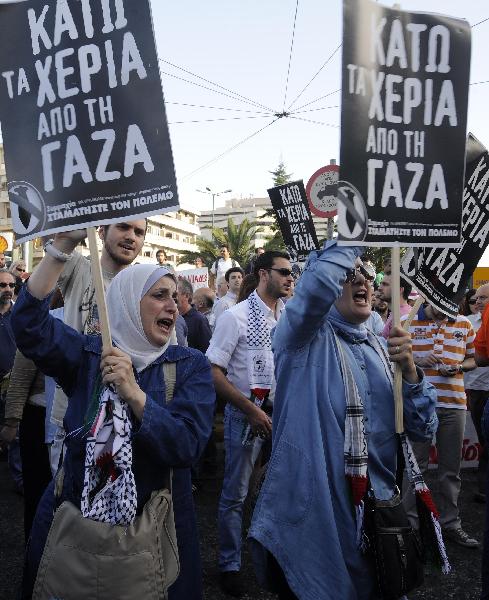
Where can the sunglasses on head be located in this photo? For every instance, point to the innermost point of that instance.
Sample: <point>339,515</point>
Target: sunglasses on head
<point>3,284</point>
<point>367,273</point>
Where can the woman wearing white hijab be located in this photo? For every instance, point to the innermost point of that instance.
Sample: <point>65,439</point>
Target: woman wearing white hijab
<point>157,436</point>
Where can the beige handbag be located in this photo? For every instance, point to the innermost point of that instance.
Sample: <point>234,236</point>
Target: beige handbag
<point>84,558</point>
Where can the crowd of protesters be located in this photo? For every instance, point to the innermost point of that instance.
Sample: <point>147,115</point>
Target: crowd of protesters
<point>302,367</point>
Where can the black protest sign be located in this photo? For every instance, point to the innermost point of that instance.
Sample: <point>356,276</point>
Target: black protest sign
<point>83,119</point>
<point>405,80</point>
<point>291,206</point>
<point>441,274</point>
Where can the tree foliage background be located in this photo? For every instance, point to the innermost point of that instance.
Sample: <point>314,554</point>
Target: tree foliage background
<point>238,238</point>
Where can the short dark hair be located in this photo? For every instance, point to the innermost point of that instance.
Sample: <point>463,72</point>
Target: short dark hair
<point>229,272</point>
<point>221,246</point>
<point>160,251</point>
<point>406,287</point>
<point>265,260</point>
<point>106,227</point>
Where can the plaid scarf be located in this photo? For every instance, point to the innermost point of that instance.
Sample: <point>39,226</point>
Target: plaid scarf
<point>109,490</point>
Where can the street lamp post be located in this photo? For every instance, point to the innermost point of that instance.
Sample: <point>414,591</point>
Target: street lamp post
<point>213,194</point>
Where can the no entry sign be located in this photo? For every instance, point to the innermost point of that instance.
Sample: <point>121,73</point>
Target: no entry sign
<point>322,191</point>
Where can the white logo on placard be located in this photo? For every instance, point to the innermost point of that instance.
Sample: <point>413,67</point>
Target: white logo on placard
<point>27,207</point>
<point>352,213</point>
<point>324,191</point>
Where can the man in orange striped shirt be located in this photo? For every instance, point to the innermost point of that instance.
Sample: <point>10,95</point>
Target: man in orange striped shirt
<point>444,348</point>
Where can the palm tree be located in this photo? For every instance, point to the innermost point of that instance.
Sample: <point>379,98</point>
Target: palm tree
<point>238,238</point>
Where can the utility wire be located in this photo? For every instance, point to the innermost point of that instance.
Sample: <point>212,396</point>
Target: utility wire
<point>217,85</point>
<point>479,82</point>
<point>256,112</point>
<point>483,21</point>
<point>299,112</point>
<point>317,100</point>
<point>216,158</point>
<point>319,71</point>
<point>208,88</point>
<point>220,119</point>
<point>315,122</point>
<point>290,54</point>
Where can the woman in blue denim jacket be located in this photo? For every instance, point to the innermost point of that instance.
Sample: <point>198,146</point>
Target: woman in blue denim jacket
<point>142,311</point>
<point>304,524</point>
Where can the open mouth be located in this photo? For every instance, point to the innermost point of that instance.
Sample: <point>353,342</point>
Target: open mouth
<point>128,247</point>
<point>164,325</point>
<point>360,298</point>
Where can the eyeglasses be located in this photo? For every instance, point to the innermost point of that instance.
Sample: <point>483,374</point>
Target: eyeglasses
<point>284,272</point>
<point>473,301</point>
<point>4,285</point>
<point>365,271</point>
<point>20,269</point>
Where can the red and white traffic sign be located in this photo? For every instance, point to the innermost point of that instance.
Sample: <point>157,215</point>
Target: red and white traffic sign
<point>322,191</point>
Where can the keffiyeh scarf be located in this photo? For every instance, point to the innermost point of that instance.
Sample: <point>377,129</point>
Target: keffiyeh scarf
<point>259,357</point>
<point>109,490</point>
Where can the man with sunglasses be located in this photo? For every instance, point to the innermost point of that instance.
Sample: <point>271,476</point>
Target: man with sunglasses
<point>306,530</point>
<point>243,371</point>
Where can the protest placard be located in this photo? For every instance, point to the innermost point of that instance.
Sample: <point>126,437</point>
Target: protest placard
<point>199,278</point>
<point>405,80</point>
<point>441,274</point>
<point>291,206</point>
<point>83,119</point>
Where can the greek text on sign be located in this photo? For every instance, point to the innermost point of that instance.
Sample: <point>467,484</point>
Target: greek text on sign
<point>80,88</point>
<point>403,124</point>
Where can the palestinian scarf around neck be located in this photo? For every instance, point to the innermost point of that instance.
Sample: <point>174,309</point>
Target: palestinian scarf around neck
<point>124,297</point>
<point>259,349</point>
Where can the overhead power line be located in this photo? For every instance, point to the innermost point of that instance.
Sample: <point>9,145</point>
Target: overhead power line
<point>299,112</point>
<point>290,54</point>
<point>314,77</point>
<point>315,122</point>
<point>317,100</point>
<point>256,112</point>
<point>240,143</point>
<point>249,100</point>
<point>220,119</point>
<point>207,88</point>
<point>483,21</point>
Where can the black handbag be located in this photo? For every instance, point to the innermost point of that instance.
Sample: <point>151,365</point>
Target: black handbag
<point>394,546</point>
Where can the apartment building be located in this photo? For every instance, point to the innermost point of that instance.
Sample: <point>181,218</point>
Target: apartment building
<point>252,209</point>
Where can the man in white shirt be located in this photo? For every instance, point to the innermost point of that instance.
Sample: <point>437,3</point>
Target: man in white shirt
<point>221,265</point>
<point>477,389</point>
<point>242,367</point>
<point>234,277</point>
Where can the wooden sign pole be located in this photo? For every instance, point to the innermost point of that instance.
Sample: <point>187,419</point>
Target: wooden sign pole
<point>396,321</point>
<point>99,288</point>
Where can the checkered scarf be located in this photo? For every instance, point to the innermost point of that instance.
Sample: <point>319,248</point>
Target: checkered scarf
<point>259,359</point>
<point>355,448</point>
<point>109,490</point>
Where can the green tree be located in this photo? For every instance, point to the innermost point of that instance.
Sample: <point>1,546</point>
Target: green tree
<point>238,238</point>
<point>280,175</point>
<point>276,241</point>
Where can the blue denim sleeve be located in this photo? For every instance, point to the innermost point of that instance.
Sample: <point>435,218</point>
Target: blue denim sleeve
<point>176,434</point>
<point>420,420</point>
<point>318,288</point>
<point>53,346</point>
